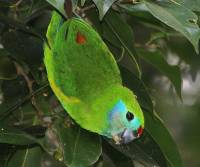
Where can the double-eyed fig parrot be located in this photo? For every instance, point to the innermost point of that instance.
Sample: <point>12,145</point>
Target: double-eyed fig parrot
<point>84,76</point>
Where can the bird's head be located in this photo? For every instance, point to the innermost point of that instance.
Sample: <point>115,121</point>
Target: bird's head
<point>126,121</point>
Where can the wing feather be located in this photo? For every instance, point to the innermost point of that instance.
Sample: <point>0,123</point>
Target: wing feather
<point>81,69</point>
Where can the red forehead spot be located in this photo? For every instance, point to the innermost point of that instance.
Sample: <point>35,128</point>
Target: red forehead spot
<point>80,38</point>
<point>140,131</point>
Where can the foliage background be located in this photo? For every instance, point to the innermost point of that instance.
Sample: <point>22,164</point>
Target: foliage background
<point>156,44</point>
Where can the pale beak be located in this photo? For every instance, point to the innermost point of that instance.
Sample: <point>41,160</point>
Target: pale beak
<point>127,136</point>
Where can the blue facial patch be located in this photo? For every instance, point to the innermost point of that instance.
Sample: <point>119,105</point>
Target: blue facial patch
<point>119,107</point>
<point>115,118</point>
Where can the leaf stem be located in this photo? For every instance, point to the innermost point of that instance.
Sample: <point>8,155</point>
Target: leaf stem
<point>82,10</point>
<point>26,98</point>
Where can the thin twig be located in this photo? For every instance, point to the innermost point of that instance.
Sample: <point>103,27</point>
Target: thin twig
<point>16,4</point>
<point>82,10</point>
<point>21,102</point>
<point>29,82</point>
<point>21,72</point>
<point>20,26</point>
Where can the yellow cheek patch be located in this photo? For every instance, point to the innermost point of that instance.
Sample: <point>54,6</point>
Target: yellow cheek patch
<point>61,95</point>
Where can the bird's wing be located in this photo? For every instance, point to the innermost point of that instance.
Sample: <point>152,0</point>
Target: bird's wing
<point>79,63</point>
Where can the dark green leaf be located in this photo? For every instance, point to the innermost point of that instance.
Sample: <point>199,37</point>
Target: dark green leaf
<point>177,17</point>
<point>117,158</point>
<point>193,5</point>
<point>25,117</point>
<point>25,48</point>
<point>7,67</point>
<point>92,16</point>
<point>17,107</point>
<point>59,5</point>
<point>121,36</point>
<point>48,159</point>
<point>40,21</point>
<point>157,61</point>
<point>14,136</point>
<point>138,10</point>
<point>13,92</point>
<point>6,152</point>
<point>162,137</point>
<point>144,151</point>
<point>79,148</point>
<point>103,6</point>
<point>20,26</point>
<point>30,157</point>
<point>106,162</point>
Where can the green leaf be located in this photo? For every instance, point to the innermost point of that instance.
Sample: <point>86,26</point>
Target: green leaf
<point>51,161</point>
<point>59,5</point>
<point>15,136</point>
<point>162,137</point>
<point>177,17</point>
<point>24,49</point>
<point>7,67</point>
<point>13,92</point>
<point>32,157</point>
<point>107,162</point>
<point>103,6</point>
<point>157,61</point>
<point>138,10</point>
<point>17,25</point>
<point>115,157</point>
<point>23,115</point>
<point>144,151</point>
<point>92,15</point>
<point>121,36</point>
<point>79,147</point>
<point>6,152</point>
<point>193,5</point>
<point>26,158</point>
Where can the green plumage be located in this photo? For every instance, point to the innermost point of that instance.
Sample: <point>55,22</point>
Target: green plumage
<point>84,75</point>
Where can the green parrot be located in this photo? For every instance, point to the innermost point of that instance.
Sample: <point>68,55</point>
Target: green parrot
<point>84,76</point>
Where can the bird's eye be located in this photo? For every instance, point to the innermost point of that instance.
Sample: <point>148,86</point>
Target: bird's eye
<point>129,116</point>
